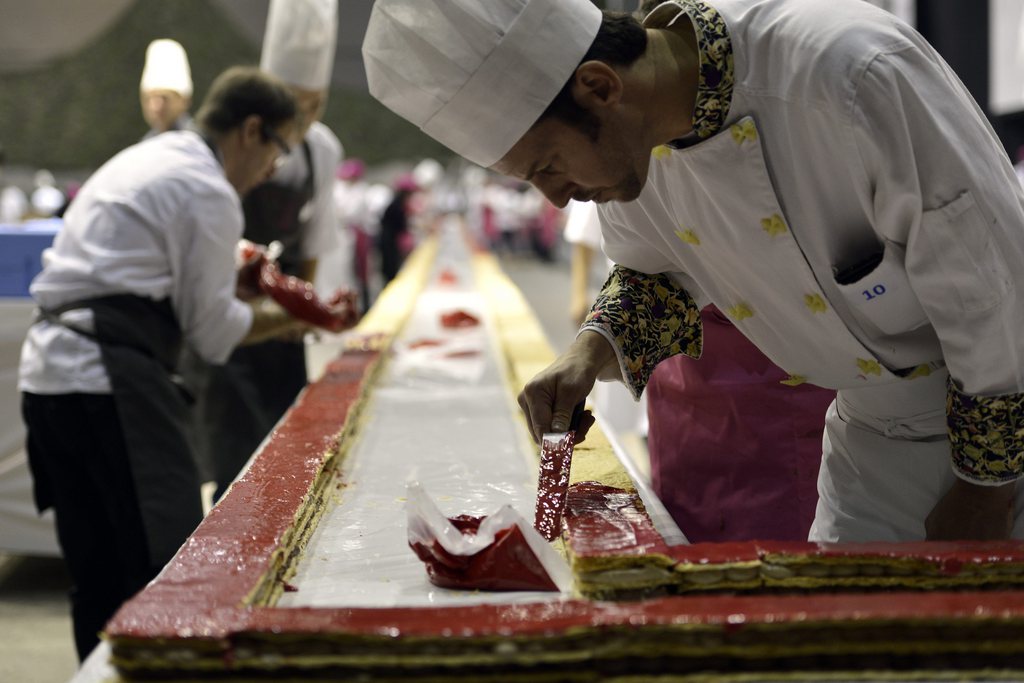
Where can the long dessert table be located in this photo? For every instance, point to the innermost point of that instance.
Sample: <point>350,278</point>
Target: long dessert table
<point>303,572</point>
<point>440,412</point>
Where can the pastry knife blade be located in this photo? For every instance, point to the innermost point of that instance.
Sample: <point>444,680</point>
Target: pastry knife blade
<point>553,478</point>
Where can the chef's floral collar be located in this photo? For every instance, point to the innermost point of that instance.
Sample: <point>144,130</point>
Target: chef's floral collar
<point>714,48</point>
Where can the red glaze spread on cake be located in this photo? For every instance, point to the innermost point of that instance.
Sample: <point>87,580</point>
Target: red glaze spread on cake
<point>604,520</point>
<point>231,550</point>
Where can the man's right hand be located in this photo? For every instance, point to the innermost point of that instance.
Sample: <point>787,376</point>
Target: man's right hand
<point>548,399</point>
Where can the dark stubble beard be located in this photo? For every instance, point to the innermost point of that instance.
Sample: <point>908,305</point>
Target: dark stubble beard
<point>629,186</point>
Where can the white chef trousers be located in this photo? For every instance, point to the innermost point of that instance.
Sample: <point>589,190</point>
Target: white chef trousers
<point>886,463</point>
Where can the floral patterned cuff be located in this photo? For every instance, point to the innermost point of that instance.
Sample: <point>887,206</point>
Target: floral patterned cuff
<point>987,436</point>
<point>647,318</point>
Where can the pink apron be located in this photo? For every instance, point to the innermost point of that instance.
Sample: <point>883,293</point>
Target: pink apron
<point>734,451</point>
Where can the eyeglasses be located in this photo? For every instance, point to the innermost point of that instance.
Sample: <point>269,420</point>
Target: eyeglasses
<point>271,135</point>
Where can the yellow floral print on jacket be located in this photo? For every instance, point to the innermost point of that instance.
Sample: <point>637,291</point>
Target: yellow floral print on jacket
<point>650,318</point>
<point>986,434</point>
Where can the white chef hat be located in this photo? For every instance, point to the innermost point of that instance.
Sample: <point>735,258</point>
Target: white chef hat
<point>472,74</point>
<point>166,68</point>
<point>299,42</point>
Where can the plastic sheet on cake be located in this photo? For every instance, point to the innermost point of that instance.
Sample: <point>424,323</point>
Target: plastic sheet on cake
<point>500,551</point>
<point>445,420</point>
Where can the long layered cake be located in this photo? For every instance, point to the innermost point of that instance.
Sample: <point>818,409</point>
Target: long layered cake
<point>212,614</point>
<point>615,551</point>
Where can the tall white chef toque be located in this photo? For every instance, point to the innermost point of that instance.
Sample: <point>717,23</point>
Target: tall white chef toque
<point>475,74</point>
<point>299,42</point>
<point>166,68</point>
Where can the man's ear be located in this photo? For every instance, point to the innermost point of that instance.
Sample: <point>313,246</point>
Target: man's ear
<point>251,129</point>
<point>595,85</point>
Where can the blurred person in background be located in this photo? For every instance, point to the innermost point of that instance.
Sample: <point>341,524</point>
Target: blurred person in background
<point>244,398</point>
<point>489,195</point>
<point>540,222</point>
<point>396,240</point>
<point>46,199</point>
<point>145,261</point>
<point>371,200</point>
<point>471,184</point>
<point>582,233</point>
<point>70,192</point>
<point>505,203</point>
<point>13,201</point>
<point>352,202</point>
<point>165,89</point>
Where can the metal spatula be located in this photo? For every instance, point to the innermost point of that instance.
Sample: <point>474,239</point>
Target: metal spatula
<point>553,479</point>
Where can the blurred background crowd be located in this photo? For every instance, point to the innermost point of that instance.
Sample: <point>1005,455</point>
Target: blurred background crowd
<point>70,78</point>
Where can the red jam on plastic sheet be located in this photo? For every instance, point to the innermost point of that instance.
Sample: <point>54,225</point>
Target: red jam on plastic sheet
<point>458,318</point>
<point>553,484</point>
<point>448,277</point>
<point>507,564</point>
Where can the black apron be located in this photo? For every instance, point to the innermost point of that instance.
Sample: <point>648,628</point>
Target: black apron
<point>139,341</point>
<point>276,211</point>
<point>247,396</point>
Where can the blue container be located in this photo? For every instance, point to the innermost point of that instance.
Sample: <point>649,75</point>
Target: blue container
<point>21,254</point>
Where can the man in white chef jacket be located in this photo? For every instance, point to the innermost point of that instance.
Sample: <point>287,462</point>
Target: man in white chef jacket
<point>165,89</point>
<point>245,397</point>
<point>814,169</point>
<point>145,261</point>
